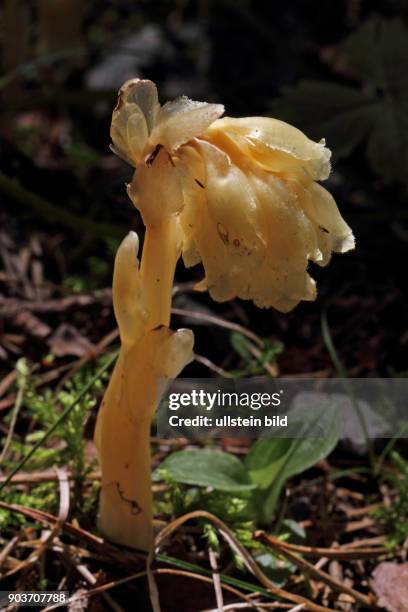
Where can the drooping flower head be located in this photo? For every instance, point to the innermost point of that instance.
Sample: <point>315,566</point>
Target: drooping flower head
<point>245,191</point>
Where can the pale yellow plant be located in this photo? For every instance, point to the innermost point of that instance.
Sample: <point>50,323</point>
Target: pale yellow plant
<point>239,196</point>
<point>149,355</point>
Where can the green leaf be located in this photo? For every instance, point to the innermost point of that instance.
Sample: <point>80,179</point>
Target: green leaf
<point>291,531</point>
<point>340,114</point>
<point>277,569</point>
<point>240,344</point>
<point>272,349</point>
<point>265,458</point>
<point>387,146</point>
<point>379,51</point>
<point>208,468</point>
<point>376,113</point>
<point>272,461</point>
<point>254,365</point>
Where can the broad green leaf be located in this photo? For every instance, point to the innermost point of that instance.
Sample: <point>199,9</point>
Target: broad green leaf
<point>265,459</point>
<point>388,142</point>
<point>340,114</point>
<point>272,461</point>
<point>379,50</point>
<point>208,468</point>
<point>376,111</point>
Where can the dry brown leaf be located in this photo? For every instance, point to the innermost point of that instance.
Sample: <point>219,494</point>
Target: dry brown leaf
<point>390,583</point>
<point>31,324</point>
<point>66,340</point>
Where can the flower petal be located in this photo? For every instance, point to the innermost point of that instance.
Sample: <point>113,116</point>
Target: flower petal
<point>129,133</point>
<point>193,185</point>
<point>143,93</point>
<point>270,136</point>
<point>156,188</point>
<point>321,208</point>
<point>283,281</point>
<point>133,119</point>
<point>182,119</point>
<point>252,236</point>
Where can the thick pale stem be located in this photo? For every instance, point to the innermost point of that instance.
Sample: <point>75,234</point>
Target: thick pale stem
<point>122,433</point>
<point>161,250</point>
<point>125,512</point>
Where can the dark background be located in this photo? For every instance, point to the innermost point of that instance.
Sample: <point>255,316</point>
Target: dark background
<point>334,69</point>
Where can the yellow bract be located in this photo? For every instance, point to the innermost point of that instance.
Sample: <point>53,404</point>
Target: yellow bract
<point>244,191</point>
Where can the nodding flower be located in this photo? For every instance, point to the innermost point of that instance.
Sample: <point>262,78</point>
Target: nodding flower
<point>245,191</point>
<point>239,196</point>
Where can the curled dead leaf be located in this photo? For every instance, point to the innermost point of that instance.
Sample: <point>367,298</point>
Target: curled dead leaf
<point>66,340</point>
<point>390,583</point>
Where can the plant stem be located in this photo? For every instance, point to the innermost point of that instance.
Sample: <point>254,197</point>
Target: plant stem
<point>161,250</point>
<point>122,433</point>
<point>125,512</point>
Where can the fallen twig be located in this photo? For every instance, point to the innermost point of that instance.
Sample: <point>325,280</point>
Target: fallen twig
<point>119,556</point>
<point>63,482</point>
<point>188,574</point>
<point>314,571</point>
<point>243,553</point>
<point>214,320</point>
<point>7,549</point>
<point>216,579</point>
<point>330,553</point>
<point>44,476</point>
